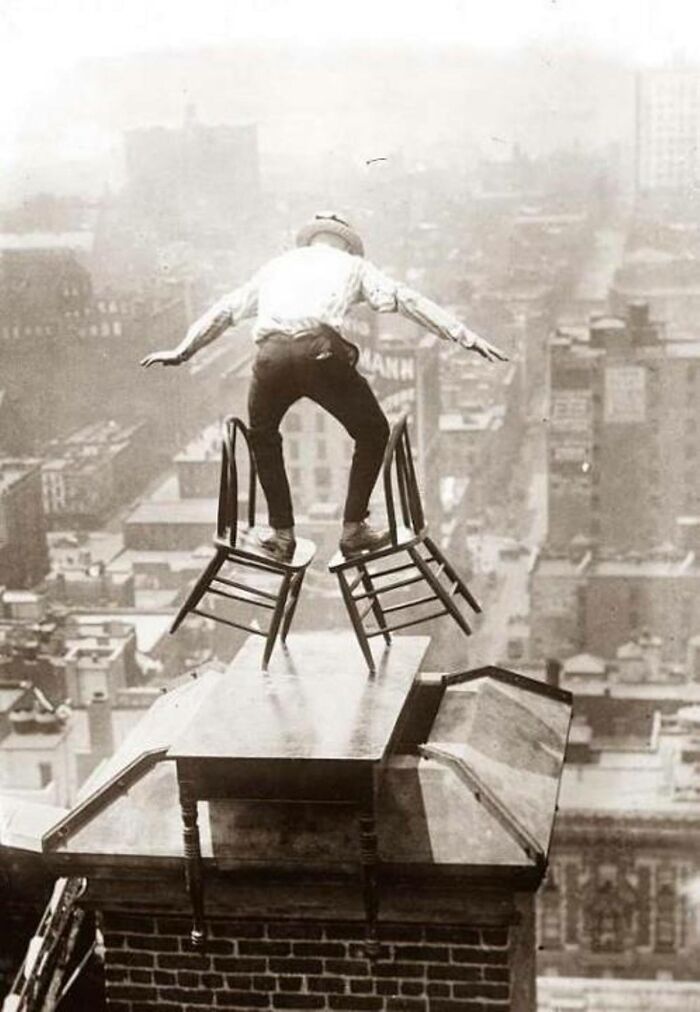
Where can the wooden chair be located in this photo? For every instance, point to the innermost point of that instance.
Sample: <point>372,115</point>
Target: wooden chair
<point>246,561</point>
<point>365,578</point>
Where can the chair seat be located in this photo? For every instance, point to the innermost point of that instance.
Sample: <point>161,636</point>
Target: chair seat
<point>404,537</point>
<point>247,546</point>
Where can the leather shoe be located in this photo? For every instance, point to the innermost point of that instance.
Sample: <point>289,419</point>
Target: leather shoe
<point>363,538</point>
<point>279,542</point>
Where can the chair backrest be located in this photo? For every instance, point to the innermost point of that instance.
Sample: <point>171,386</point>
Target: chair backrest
<point>227,517</point>
<point>398,469</point>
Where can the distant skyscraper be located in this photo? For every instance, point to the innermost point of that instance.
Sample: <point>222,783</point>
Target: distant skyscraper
<point>668,131</point>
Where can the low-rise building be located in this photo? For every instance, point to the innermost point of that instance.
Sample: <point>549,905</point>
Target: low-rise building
<point>90,472</point>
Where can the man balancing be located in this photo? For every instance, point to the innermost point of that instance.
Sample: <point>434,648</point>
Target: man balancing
<point>299,300</point>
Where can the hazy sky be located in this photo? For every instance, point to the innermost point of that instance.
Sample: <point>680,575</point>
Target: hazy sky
<point>42,41</point>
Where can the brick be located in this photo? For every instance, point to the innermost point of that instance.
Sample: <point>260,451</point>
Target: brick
<point>462,954</point>
<point>454,933</point>
<point>496,973</point>
<point>342,930</point>
<point>239,982</point>
<point>413,987</point>
<point>191,995</point>
<point>397,969</point>
<point>334,949</point>
<point>407,1005</point>
<point>164,977</point>
<point>267,982</point>
<point>296,966</point>
<point>114,940</point>
<point>242,1000</point>
<point>120,1006</point>
<point>264,948</point>
<point>495,936</point>
<point>356,1003</point>
<point>309,1001</point>
<point>126,958</point>
<point>401,932</point>
<point>142,976</point>
<point>290,983</point>
<point>493,991</point>
<point>173,925</point>
<point>438,990</point>
<point>188,978</point>
<point>295,929</point>
<point>154,943</point>
<point>361,986</point>
<point>131,992</point>
<point>237,929</point>
<point>155,1006</point>
<point>348,967</point>
<point>213,980</point>
<point>445,1005</point>
<point>236,964</point>
<point>237,1007</point>
<point>388,987</point>
<point>452,972</point>
<point>183,961</point>
<point>326,984</point>
<point>214,946</point>
<point>130,923</point>
<point>115,974</point>
<point>358,950</point>
<point>425,953</point>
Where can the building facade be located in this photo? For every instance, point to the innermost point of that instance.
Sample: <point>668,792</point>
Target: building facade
<point>24,557</point>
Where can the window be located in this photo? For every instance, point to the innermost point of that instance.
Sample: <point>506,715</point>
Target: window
<point>293,447</point>
<point>321,449</point>
<point>323,476</point>
<point>293,422</point>
<point>320,422</point>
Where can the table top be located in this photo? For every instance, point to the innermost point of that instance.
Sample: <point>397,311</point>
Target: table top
<point>317,702</point>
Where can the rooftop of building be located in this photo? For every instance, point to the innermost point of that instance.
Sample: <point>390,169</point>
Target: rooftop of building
<point>174,511</point>
<point>206,446</point>
<point>150,627</point>
<point>14,469</point>
<point>318,703</point>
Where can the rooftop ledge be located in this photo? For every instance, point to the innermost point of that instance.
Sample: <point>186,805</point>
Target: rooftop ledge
<point>466,768</point>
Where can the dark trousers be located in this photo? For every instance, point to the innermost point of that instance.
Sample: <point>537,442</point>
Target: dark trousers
<point>321,368</point>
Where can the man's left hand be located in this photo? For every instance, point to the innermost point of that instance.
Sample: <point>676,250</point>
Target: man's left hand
<point>472,342</point>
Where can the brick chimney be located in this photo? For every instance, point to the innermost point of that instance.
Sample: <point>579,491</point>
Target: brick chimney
<point>249,770</point>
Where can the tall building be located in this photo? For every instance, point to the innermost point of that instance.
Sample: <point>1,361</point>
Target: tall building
<point>623,434</point>
<point>668,131</point>
<point>24,557</point>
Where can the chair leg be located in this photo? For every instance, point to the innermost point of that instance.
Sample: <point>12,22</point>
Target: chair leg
<point>277,614</point>
<point>293,601</point>
<point>376,606</point>
<point>356,621</point>
<point>439,590</point>
<point>453,575</point>
<point>200,588</point>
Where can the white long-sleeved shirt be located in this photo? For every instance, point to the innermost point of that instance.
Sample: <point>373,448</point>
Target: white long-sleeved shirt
<point>313,285</point>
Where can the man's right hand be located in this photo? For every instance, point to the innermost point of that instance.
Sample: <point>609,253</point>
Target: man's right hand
<point>164,357</point>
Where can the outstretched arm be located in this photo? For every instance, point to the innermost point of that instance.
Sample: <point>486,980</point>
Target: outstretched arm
<point>227,312</point>
<point>388,296</point>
